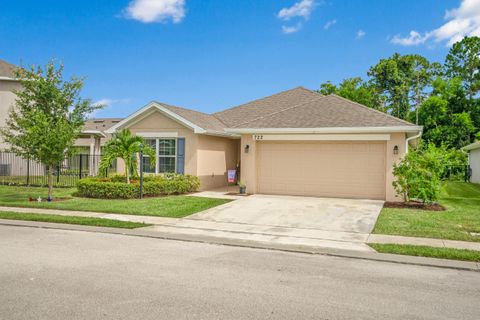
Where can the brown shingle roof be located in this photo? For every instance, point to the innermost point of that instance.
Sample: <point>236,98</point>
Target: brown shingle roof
<point>325,112</point>
<point>203,120</point>
<point>247,112</point>
<point>101,124</point>
<point>6,69</point>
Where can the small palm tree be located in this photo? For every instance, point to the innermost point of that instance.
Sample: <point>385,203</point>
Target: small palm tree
<point>126,146</point>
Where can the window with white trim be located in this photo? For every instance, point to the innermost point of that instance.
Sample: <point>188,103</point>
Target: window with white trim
<point>166,151</point>
<point>167,155</point>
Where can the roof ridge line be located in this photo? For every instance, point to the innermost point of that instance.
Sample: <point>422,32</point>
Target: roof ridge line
<point>200,112</point>
<point>263,98</point>
<point>286,109</point>
<point>372,109</point>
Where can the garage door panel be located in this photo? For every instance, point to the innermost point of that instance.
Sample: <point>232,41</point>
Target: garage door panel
<point>329,169</point>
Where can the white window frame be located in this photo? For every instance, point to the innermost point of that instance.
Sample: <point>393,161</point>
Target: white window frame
<point>157,149</point>
<point>157,163</point>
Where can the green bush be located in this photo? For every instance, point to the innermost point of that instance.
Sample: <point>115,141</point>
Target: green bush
<point>154,185</point>
<point>106,189</point>
<point>419,174</point>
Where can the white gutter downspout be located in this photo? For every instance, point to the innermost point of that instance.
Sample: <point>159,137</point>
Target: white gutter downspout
<point>411,138</point>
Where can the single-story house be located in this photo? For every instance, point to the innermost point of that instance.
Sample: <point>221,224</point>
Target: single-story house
<point>296,142</point>
<point>474,161</point>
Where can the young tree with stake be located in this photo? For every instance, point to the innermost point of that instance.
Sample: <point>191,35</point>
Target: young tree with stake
<point>47,117</point>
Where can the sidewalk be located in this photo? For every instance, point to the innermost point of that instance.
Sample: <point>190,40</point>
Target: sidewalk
<point>265,236</point>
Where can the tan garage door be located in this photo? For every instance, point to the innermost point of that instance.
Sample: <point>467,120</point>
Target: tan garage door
<point>325,169</point>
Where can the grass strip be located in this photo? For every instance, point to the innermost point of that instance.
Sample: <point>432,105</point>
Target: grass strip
<point>430,252</point>
<point>86,221</point>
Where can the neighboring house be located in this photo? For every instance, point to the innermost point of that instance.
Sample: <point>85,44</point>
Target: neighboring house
<point>474,161</point>
<point>7,85</point>
<point>91,139</point>
<point>296,142</point>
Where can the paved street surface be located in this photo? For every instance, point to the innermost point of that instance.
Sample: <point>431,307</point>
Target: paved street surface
<point>55,274</point>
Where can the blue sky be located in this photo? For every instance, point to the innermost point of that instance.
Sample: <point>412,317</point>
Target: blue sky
<point>213,54</point>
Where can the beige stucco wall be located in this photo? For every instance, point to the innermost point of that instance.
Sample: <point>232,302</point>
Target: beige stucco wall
<point>249,170</point>
<point>215,155</point>
<point>396,139</point>
<point>474,160</point>
<point>208,157</point>
<point>7,99</point>
<point>158,123</point>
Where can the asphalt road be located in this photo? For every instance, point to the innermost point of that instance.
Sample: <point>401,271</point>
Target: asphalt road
<point>55,274</point>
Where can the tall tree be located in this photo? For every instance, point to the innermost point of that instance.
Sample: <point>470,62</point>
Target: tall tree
<point>441,127</point>
<point>355,89</point>
<point>47,117</point>
<point>402,80</point>
<point>126,146</point>
<point>463,61</point>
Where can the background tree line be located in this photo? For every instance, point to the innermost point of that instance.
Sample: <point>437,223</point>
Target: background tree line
<point>443,98</point>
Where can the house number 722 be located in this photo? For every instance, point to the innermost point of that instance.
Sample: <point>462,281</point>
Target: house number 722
<point>257,137</point>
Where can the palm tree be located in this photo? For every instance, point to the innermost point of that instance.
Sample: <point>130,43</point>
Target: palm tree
<point>126,146</point>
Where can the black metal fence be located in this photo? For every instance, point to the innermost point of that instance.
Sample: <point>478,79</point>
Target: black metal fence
<point>457,173</point>
<point>15,170</point>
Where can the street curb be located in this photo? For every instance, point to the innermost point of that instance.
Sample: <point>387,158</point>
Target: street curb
<point>141,232</point>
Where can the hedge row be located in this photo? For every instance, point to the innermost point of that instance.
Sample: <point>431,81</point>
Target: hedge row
<point>116,187</point>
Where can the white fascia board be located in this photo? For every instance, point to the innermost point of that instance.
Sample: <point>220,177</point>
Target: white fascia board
<point>157,134</point>
<point>473,146</point>
<point>322,137</point>
<point>94,133</point>
<point>173,115</point>
<point>8,79</point>
<point>151,105</point>
<point>222,134</point>
<point>325,130</point>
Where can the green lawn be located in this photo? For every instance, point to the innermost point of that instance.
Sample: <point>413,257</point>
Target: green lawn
<point>169,206</point>
<point>462,216</point>
<point>431,252</point>
<point>98,222</point>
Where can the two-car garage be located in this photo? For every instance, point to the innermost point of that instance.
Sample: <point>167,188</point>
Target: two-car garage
<point>349,169</point>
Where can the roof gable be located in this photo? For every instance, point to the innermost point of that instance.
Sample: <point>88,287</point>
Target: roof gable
<point>148,109</point>
<point>6,69</point>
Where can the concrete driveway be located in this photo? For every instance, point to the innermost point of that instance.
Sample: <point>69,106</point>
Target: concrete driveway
<point>285,220</point>
<point>329,214</point>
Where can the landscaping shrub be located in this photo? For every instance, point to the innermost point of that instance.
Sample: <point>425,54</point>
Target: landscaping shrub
<point>103,188</point>
<point>154,185</point>
<point>419,174</point>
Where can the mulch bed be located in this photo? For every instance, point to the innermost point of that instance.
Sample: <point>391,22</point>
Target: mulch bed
<point>53,200</point>
<point>414,205</point>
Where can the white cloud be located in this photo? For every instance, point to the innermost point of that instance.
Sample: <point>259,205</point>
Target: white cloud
<point>291,29</point>
<point>148,11</point>
<point>462,21</point>
<point>414,38</point>
<point>104,102</point>
<point>107,103</point>
<point>329,24</point>
<point>302,9</point>
<point>360,34</point>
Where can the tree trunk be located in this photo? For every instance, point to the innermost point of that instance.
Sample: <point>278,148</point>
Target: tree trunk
<point>127,165</point>
<point>50,182</point>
